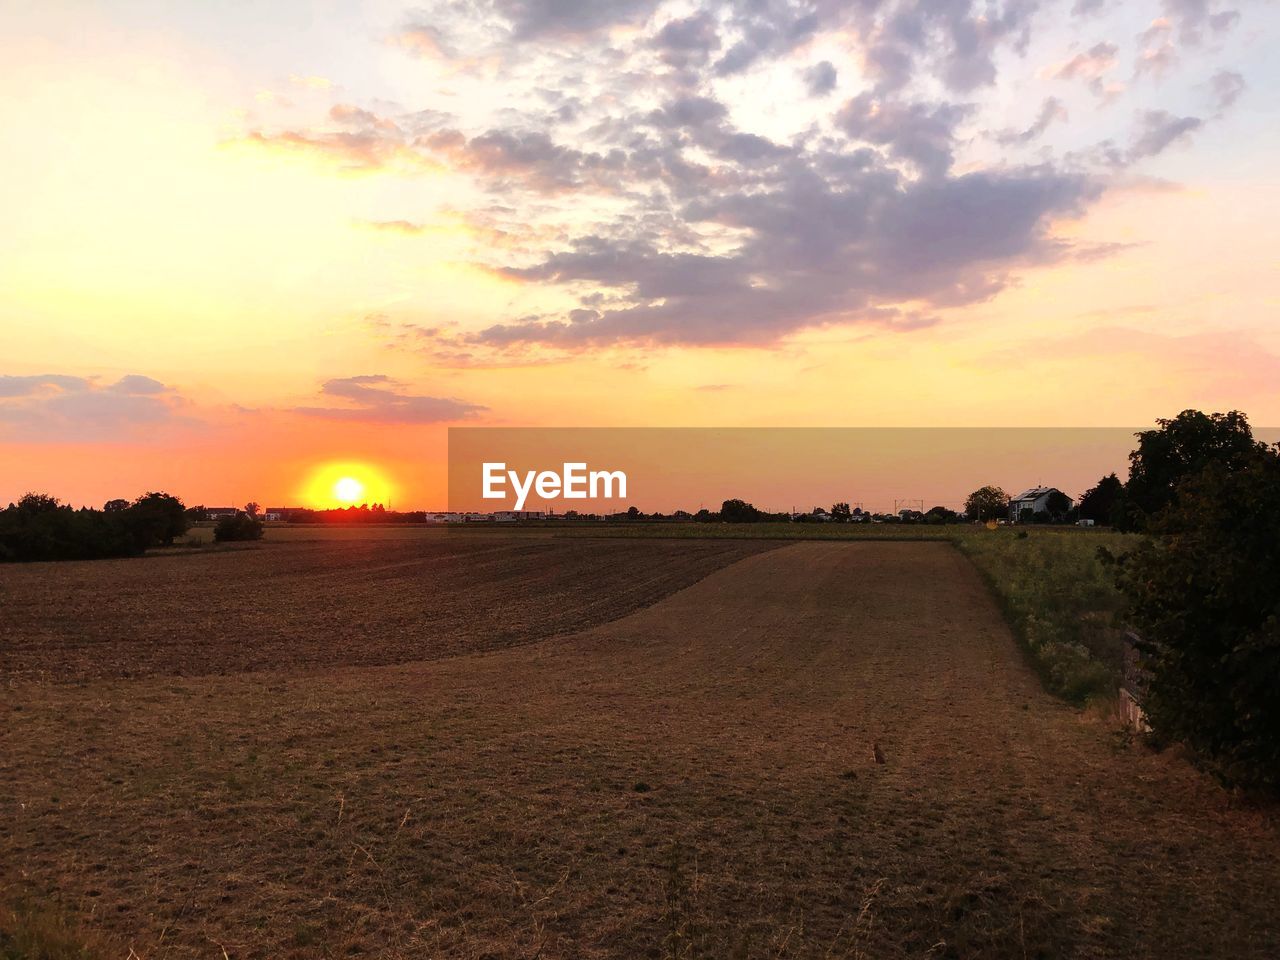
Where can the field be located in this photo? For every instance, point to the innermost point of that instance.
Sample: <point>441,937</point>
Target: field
<point>682,769</point>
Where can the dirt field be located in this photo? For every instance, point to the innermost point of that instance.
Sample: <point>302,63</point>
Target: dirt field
<point>295,605</point>
<point>693,780</point>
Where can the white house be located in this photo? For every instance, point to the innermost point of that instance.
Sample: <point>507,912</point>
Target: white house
<point>1036,500</point>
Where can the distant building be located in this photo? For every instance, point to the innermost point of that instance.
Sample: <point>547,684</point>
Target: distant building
<point>220,513</point>
<point>510,516</point>
<point>275,513</point>
<point>1036,500</point>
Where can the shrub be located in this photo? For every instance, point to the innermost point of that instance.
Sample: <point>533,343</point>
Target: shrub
<point>38,527</point>
<point>1203,595</point>
<point>240,527</point>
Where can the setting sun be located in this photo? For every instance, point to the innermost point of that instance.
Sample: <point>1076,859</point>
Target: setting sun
<point>348,489</point>
<point>346,483</point>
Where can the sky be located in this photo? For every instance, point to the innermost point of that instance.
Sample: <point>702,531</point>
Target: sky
<point>247,247</point>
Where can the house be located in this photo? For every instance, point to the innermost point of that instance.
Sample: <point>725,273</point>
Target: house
<point>1036,500</point>
<point>220,513</point>
<point>276,513</point>
<point>510,516</point>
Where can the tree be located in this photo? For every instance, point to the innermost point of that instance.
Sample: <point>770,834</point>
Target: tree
<point>738,511</point>
<point>38,527</point>
<point>1057,505</point>
<point>157,518</point>
<point>1202,594</point>
<point>1099,502</point>
<point>987,503</point>
<point>242,526</point>
<point>840,512</point>
<point>252,508</point>
<point>115,506</point>
<point>940,514</point>
<point>1178,449</point>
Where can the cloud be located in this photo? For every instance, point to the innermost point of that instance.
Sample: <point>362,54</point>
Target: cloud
<point>619,165</point>
<point>820,79</point>
<point>816,252</point>
<point>379,399</point>
<point>421,39</point>
<point>922,133</point>
<point>1158,130</point>
<point>1226,87</point>
<point>58,407</point>
<point>1092,66</point>
<point>530,19</point>
<point>687,42</point>
<point>1051,111</point>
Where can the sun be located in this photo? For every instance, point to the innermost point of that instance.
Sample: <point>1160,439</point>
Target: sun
<point>346,483</point>
<point>348,489</point>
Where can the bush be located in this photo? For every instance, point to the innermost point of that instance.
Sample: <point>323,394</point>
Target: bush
<point>240,527</point>
<point>38,528</point>
<point>1203,595</point>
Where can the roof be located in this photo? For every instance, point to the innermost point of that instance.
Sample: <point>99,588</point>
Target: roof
<point>1035,493</point>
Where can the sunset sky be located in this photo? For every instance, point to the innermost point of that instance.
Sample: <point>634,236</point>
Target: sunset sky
<point>244,245</point>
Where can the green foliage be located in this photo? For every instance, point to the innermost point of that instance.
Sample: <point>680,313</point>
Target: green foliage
<point>1205,596</point>
<point>1060,599</point>
<point>987,503</point>
<point>240,527</point>
<point>1179,449</point>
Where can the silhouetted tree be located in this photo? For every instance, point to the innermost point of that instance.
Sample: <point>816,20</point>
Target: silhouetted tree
<point>1178,449</point>
<point>157,518</point>
<point>1100,501</point>
<point>840,512</point>
<point>987,503</point>
<point>242,526</point>
<point>1202,593</point>
<point>1057,506</point>
<point>738,511</point>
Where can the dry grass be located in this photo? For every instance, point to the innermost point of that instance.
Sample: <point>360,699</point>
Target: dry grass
<point>293,606</point>
<point>693,780</point>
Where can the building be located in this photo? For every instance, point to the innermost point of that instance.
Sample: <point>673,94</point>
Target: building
<point>510,516</point>
<point>1036,500</point>
<point>220,513</point>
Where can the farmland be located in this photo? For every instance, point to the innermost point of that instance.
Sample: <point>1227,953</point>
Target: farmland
<point>686,769</point>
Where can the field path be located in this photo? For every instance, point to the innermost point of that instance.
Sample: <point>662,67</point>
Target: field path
<point>696,779</point>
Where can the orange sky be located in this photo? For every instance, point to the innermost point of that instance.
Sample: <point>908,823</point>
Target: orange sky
<point>238,248</point>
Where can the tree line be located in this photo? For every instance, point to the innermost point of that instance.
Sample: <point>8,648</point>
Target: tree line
<point>40,527</point>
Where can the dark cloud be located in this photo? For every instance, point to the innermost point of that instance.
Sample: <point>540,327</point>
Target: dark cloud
<point>1159,129</point>
<point>541,18</point>
<point>379,399</point>
<point>921,133</point>
<point>818,250</point>
<point>820,79</point>
<point>57,407</point>
<point>766,29</point>
<point>688,42</point>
